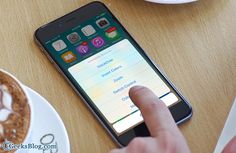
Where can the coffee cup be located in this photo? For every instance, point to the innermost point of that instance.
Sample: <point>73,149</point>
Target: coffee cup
<point>16,113</point>
<point>171,1</point>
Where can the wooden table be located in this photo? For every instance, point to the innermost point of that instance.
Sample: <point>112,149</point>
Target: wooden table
<point>195,44</point>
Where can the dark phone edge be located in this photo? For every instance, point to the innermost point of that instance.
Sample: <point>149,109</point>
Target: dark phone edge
<point>190,114</point>
<point>115,139</point>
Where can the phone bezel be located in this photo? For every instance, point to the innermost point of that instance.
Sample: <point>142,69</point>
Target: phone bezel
<point>181,111</point>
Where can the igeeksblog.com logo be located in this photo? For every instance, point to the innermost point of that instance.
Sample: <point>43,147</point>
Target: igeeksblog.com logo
<point>47,143</point>
<point>8,146</point>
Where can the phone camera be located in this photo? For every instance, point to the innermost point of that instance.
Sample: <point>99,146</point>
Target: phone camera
<point>103,23</point>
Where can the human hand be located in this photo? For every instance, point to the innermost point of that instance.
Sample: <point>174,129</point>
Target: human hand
<point>165,135</point>
<point>231,146</point>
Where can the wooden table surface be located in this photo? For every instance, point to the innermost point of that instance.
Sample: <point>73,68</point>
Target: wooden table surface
<point>195,44</point>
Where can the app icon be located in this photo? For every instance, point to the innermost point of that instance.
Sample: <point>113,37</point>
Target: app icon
<point>83,48</point>
<point>88,30</point>
<point>98,42</point>
<point>59,45</point>
<point>102,23</point>
<point>112,33</point>
<point>73,37</point>
<point>68,57</point>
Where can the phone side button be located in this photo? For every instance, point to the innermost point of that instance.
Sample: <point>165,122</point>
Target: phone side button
<point>48,56</point>
<point>57,67</point>
<point>50,59</point>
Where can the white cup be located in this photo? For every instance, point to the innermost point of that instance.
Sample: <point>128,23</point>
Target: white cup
<point>28,135</point>
<point>171,1</point>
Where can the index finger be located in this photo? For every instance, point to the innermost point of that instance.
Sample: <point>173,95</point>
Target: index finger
<point>155,113</point>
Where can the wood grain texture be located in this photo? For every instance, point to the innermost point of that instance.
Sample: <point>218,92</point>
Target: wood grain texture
<point>195,44</point>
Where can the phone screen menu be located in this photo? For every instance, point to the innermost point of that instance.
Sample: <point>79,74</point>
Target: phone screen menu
<point>105,63</point>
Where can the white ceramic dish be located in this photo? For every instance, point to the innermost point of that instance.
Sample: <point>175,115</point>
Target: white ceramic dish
<point>48,127</point>
<point>171,1</point>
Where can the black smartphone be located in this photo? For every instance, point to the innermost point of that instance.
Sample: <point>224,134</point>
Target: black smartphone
<point>101,61</point>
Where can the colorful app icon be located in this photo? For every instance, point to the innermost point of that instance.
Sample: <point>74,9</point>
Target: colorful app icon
<point>73,37</point>
<point>98,42</point>
<point>112,33</point>
<point>83,48</point>
<point>68,57</point>
<point>59,45</point>
<point>102,23</point>
<point>88,30</point>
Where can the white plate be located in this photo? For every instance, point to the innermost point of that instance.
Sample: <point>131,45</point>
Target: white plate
<point>229,130</point>
<point>171,1</point>
<point>47,127</point>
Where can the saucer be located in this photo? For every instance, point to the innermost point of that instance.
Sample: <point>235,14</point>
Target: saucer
<point>48,128</point>
<point>171,1</point>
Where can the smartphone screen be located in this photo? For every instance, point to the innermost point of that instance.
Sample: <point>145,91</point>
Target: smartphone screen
<point>105,62</point>
<point>102,62</point>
